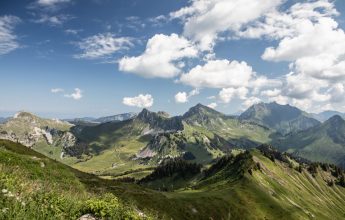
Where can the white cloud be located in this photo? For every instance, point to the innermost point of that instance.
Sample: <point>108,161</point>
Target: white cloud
<point>8,39</point>
<point>162,57</point>
<point>311,40</point>
<point>73,31</point>
<point>76,95</point>
<point>102,45</point>
<point>324,37</point>
<point>194,92</point>
<point>51,3</point>
<point>53,20</point>
<point>204,20</point>
<point>140,101</point>
<point>227,94</point>
<point>219,74</point>
<point>271,93</point>
<point>56,90</point>
<point>212,105</point>
<point>250,101</point>
<point>183,97</point>
<point>158,20</point>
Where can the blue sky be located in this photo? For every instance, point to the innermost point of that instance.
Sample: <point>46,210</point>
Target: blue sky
<point>70,58</point>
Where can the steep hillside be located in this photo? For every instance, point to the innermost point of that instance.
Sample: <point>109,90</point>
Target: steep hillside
<point>256,184</point>
<point>36,187</point>
<point>50,137</point>
<point>325,142</point>
<point>238,133</point>
<point>283,118</point>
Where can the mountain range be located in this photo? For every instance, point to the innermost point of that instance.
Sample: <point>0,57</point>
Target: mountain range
<point>168,164</point>
<point>143,140</point>
<point>91,120</point>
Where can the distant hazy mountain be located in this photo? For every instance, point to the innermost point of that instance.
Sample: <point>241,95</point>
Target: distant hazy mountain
<point>94,121</point>
<point>3,120</point>
<point>324,142</point>
<point>323,116</point>
<point>119,117</point>
<point>282,118</point>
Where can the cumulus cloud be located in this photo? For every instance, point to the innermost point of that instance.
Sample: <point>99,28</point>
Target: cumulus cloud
<point>271,93</point>
<point>163,57</point>
<point>204,20</point>
<point>237,80</point>
<point>102,45</point>
<point>57,90</point>
<point>323,37</point>
<point>310,39</point>
<point>76,95</point>
<point>250,101</point>
<point>140,101</point>
<point>183,97</point>
<point>219,74</point>
<point>8,39</point>
<point>212,105</point>
<point>227,94</point>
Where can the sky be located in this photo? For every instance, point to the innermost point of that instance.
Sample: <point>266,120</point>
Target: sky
<point>73,58</point>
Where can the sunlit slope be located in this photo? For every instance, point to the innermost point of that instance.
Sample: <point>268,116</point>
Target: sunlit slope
<point>36,187</point>
<point>325,143</point>
<point>252,186</point>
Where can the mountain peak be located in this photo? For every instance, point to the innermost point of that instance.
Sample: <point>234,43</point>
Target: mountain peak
<point>201,109</point>
<point>160,121</point>
<point>23,114</point>
<point>145,113</point>
<point>336,119</point>
<point>163,114</point>
<point>282,118</point>
<point>202,115</point>
<point>199,105</point>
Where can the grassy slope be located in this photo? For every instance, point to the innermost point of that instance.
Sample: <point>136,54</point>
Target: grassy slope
<point>275,192</point>
<point>113,145</point>
<point>36,187</point>
<point>304,196</point>
<point>317,143</point>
